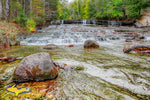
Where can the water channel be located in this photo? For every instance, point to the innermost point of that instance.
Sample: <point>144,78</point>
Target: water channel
<point>108,74</point>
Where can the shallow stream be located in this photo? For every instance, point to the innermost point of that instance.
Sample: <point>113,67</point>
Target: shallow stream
<point>108,73</point>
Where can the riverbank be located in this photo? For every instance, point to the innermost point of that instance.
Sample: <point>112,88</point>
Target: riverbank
<point>9,32</point>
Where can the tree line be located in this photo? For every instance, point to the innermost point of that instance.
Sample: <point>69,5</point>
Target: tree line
<point>28,13</point>
<point>102,9</point>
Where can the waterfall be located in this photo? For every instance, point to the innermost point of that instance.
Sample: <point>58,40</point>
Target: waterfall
<point>114,23</point>
<point>88,22</point>
<point>52,22</point>
<point>69,34</point>
<point>120,23</point>
<point>62,22</point>
<point>84,22</point>
<point>94,22</point>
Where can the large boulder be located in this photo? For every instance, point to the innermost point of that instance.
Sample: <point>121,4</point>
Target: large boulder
<point>91,44</point>
<point>36,67</point>
<point>144,21</point>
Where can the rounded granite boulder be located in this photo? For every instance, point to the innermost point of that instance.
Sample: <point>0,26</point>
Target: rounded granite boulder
<point>36,67</point>
<point>91,44</point>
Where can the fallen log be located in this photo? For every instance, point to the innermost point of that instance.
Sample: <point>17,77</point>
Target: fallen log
<point>138,48</point>
<point>7,59</point>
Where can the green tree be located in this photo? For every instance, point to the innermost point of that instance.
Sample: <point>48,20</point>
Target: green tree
<point>86,10</point>
<point>133,8</point>
<point>60,11</point>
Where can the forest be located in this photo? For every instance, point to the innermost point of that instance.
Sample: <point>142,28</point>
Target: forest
<point>24,11</point>
<point>102,9</point>
<point>28,13</point>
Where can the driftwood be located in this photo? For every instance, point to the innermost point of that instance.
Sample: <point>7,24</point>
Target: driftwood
<point>8,59</point>
<point>138,48</point>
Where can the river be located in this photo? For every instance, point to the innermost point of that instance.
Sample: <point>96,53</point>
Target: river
<point>109,74</point>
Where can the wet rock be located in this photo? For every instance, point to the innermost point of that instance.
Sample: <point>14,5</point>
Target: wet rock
<point>128,40</point>
<point>141,37</point>
<point>64,66</point>
<point>50,46</point>
<point>133,36</point>
<point>144,21</point>
<point>7,59</point>
<point>36,67</point>
<point>71,46</point>
<point>56,65</point>
<point>91,44</point>
<point>67,67</point>
<point>141,49</point>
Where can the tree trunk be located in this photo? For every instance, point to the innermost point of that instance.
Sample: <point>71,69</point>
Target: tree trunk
<point>1,10</point>
<point>24,7</point>
<point>44,6</point>
<point>30,8</point>
<point>7,10</point>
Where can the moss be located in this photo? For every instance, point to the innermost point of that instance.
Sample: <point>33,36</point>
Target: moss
<point>79,68</point>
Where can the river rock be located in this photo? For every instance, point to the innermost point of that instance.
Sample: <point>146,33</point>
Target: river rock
<point>36,67</point>
<point>144,21</point>
<point>141,49</point>
<point>91,44</point>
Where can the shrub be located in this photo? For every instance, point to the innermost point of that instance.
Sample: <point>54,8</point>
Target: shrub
<point>22,19</point>
<point>31,25</point>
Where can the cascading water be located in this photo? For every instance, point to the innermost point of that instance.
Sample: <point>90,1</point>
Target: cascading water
<point>114,23</point>
<point>52,22</point>
<point>94,22</point>
<point>62,22</point>
<point>68,34</point>
<point>73,34</point>
<point>84,22</point>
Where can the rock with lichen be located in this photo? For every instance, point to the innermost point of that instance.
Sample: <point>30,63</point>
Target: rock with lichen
<point>36,67</point>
